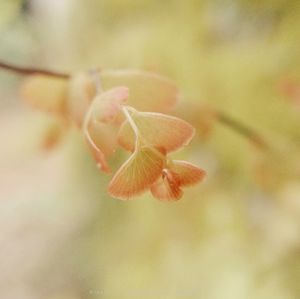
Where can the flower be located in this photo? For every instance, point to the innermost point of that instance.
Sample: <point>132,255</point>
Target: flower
<point>94,101</point>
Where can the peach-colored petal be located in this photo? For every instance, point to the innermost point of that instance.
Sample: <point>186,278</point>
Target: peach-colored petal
<point>159,130</point>
<point>100,132</point>
<point>167,187</point>
<point>46,93</point>
<point>81,93</point>
<point>107,105</point>
<point>52,136</point>
<point>137,174</point>
<point>98,154</point>
<point>104,136</point>
<point>201,116</point>
<point>148,91</point>
<point>176,175</point>
<point>188,174</point>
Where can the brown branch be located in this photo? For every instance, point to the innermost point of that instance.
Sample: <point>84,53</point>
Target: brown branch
<point>31,71</point>
<point>243,130</point>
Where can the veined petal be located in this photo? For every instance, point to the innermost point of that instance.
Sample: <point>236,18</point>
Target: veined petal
<point>137,174</point>
<point>148,91</point>
<point>167,187</point>
<point>187,173</point>
<point>46,93</point>
<point>159,130</point>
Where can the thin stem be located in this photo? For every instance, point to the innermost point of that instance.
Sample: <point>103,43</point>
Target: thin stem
<point>242,129</point>
<point>97,80</point>
<point>132,123</point>
<point>31,71</point>
<point>85,126</point>
<point>130,120</point>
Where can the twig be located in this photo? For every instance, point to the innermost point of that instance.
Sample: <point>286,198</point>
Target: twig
<point>243,130</point>
<point>31,71</point>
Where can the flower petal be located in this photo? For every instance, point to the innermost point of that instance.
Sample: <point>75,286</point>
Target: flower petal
<point>148,91</point>
<point>167,187</point>
<point>99,157</point>
<point>99,129</point>
<point>202,117</point>
<point>188,174</point>
<point>96,149</point>
<point>159,130</point>
<point>104,136</point>
<point>46,93</point>
<point>137,174</point>
<point>81,93</point>
<point>107,105</point>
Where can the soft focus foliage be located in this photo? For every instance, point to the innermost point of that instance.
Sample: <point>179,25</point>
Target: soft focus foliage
<point>236,235</point>
<point>46,93</point>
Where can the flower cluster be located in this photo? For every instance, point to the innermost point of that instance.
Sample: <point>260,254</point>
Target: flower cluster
<point>107,106</point>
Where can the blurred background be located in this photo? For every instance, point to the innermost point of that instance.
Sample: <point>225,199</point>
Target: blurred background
<point>237,235</point>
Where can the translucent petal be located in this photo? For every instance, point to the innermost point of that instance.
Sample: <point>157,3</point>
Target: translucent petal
<point>148,91</point>
<point>104,136</point>
<point>159,130</point>
<point>46,93</point>
<point>52,135</point>
<point>188,174</point>
<point>202,117</point>
<point>99,129</point>
<point>137,174</point>
<point>167,187</point>
<point>81,93</point>
<point>99,152</point>
<point>107,105</point>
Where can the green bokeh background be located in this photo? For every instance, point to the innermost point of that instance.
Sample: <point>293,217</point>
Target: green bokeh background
<point>63,237</point>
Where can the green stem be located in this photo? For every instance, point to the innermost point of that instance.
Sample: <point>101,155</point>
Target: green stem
<point>242,129</point>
